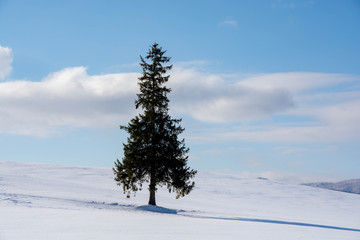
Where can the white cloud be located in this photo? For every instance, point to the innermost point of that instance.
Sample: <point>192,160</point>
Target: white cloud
<point>210,98</point>
<point>321,132</point>
<point>72,98</point>
<point>332,110</point>
<point>69,97</point>
<point>284,4</point>
<point>5,61</point>
<point>290,150</point>
<point>231,23</point>
<point>295,81</point>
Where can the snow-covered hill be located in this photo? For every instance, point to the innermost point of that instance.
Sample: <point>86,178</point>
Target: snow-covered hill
<point>39,201</point>
<point>350,186</point>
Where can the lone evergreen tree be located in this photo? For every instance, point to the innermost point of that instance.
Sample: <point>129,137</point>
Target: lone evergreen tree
<point>153,153</point>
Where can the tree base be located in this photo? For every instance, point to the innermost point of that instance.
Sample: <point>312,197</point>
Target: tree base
<point>152,200</point>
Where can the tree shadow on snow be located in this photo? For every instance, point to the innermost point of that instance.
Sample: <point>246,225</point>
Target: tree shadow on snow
<point>156,209</point>
<point>150,208</point>
<point>278,222</point>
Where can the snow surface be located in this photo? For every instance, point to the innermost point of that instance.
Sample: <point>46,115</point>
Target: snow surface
<point>40,201</point>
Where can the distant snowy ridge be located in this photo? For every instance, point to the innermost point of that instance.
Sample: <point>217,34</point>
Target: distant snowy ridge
<point>349,186</point>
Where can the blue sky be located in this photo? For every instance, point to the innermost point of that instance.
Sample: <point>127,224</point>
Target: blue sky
<point>268,88</point>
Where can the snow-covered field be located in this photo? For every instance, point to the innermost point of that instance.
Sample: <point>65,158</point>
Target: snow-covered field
<point>39,201</point>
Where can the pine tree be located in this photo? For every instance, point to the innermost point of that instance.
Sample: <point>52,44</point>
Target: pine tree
<point>153,153</point>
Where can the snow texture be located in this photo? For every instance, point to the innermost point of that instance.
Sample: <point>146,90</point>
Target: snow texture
<point>40,201</point>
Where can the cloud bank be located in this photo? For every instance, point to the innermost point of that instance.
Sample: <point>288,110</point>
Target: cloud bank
<point>68,98</point>
<point>72,98</point>
<point>214,98</point>
<point>325,109</point>
<point>240,107</point>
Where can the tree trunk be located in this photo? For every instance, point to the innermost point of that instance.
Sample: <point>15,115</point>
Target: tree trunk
<point>152,196</point>
<point>152,188</point>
